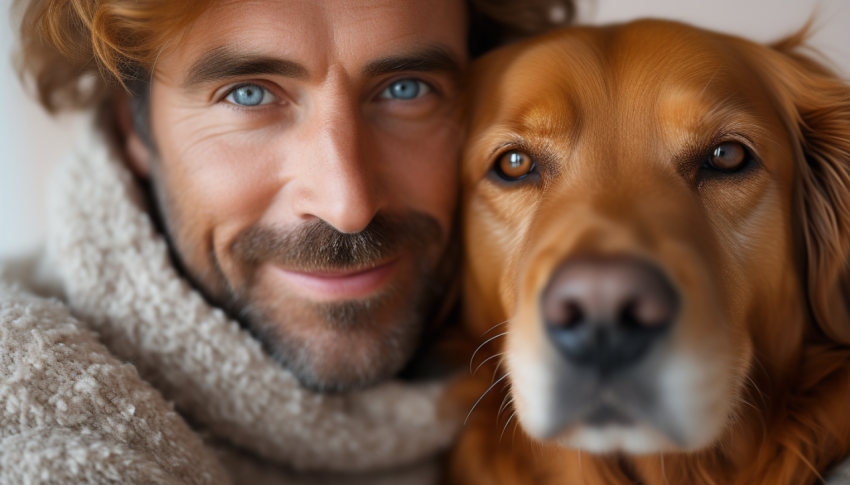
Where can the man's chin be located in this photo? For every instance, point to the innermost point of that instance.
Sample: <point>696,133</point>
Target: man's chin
<point>337,360</point>
<point>341,347</point>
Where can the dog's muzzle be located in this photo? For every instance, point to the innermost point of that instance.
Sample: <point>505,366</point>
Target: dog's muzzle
<point>606,317</point>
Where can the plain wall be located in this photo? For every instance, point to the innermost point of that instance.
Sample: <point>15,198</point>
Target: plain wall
<point>32,142</point>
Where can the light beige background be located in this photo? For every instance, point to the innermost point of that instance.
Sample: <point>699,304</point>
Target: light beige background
<point>31,142</point>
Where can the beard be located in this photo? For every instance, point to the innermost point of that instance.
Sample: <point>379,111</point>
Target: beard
<point>335,347</point>
<point>345,345</point>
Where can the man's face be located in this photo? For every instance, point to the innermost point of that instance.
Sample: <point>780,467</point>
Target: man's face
<point>305,167</point>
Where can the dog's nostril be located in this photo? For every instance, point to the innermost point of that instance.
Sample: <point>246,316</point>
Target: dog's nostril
<point>647,311</point>
<point>628,315</point>
<point>574,316</point>
<point>607,312</point>
<point>566,314</point>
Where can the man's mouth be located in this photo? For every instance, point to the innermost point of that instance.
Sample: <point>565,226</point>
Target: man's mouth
<point>343,284</point>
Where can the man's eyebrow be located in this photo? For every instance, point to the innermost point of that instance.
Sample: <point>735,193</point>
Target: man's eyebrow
<point>224,63</point>
<point>426,60</point>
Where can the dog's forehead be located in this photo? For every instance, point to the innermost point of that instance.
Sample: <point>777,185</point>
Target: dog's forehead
<point>648,71</point>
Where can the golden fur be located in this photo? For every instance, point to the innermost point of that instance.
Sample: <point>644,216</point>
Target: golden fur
<point>617,119</point>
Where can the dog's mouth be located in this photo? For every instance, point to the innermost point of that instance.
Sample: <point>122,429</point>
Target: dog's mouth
<point>607,409</point>
<point>604,414</point>
<point>630,404</point>
<point>629,401</point>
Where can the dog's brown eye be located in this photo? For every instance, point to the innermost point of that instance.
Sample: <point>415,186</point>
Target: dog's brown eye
<point>514,165</point>
<point>728,156</point>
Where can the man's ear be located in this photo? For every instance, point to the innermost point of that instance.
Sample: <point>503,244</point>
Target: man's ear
<point>137,153</point>
<point>817,107</point>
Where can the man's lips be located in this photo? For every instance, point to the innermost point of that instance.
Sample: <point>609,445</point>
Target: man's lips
<point>341,285</point>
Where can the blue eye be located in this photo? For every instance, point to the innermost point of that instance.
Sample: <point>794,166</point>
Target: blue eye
<point>250,95</point>
<point>405,89</point>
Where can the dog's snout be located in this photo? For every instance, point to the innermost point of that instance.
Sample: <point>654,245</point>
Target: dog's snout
<point>606,313</point>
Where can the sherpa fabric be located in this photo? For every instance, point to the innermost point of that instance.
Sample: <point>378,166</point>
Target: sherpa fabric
<point>99,384</point>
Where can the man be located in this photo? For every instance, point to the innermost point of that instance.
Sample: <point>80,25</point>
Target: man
<point>291,163</point>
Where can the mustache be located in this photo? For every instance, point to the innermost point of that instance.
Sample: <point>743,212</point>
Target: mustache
<point>318,246</point>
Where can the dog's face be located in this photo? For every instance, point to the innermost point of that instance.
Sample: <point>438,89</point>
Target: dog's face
<point>633,208</point>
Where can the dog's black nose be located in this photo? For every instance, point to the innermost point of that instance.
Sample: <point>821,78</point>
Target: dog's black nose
<point>606,313</point>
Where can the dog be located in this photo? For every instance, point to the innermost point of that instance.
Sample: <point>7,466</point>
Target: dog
<point>657,228</point>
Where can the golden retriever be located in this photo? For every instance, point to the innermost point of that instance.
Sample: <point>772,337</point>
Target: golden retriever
<point>660,215</point>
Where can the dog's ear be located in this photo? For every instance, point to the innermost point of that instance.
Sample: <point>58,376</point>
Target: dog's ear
<point>817,108</point>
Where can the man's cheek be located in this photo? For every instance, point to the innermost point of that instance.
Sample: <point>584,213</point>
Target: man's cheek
<point>209,197</point>
<point>226,175</point>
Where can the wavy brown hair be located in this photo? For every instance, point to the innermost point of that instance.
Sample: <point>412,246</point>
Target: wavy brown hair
<point>73,53</point>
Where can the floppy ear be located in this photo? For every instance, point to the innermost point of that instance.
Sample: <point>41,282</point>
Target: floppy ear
<point>817,107</point>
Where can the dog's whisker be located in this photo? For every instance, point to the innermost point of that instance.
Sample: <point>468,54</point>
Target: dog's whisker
<point>482,397</point>
<point>498,366</point>
<point>485,361</point>
<point>505,407</point>
<point>494,326</point>
<point>504,400</point>
<point>472,359</point>
<point>748,403</point>
<point>505,403</point>
<point>758,415</point>
<point>506,427</point>
<point>761,394</point>
<point>802,458</point>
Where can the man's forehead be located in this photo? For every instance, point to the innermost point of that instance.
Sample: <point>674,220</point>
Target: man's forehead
<point>301,39</point>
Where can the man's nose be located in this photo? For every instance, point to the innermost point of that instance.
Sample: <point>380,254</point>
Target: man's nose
<point>605,314</point>
<point>342,184</point>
